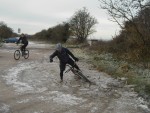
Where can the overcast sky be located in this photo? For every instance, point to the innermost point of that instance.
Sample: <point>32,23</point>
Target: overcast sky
<point>32,16</point>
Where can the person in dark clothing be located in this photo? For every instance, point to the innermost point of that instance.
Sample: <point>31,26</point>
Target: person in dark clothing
<point>24,41</point>
<point>63,55</point>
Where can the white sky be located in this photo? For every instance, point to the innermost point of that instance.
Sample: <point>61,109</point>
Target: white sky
<point>32,16</point>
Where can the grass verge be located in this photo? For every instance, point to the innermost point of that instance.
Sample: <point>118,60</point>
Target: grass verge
<point>117,68</point>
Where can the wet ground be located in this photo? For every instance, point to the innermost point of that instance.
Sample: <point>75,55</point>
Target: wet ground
<point>32,86</point>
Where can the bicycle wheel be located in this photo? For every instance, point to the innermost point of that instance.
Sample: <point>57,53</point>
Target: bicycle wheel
<point>82,76</point>
<point>26,54</point>
<point>76,73</point>
<point>17,54</point>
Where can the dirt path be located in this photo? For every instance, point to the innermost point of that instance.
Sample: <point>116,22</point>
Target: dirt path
<point>32,86</point>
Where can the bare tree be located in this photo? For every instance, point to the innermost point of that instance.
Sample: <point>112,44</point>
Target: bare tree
<point>133,17</point>
<point>122,11</point>
<point>82,24</point>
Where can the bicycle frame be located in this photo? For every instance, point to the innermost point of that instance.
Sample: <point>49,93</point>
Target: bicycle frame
<point>20,45</point>
<point>70,68</point>
<point>77,72</point>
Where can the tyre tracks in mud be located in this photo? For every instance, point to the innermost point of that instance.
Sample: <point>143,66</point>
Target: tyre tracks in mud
<point>48,95</point>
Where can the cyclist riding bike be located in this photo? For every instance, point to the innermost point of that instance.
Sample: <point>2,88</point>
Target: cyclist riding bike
<point>24,41</point>
<point>63,55</point>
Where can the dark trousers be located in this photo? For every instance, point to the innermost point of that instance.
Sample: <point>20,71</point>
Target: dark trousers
<point>24,46</point>
<point>63,66</point>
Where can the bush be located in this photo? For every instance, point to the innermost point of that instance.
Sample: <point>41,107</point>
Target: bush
<point>147,89</point>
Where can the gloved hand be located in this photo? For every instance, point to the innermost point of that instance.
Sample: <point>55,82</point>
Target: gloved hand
<point>51,60</point>
<point>76,59</point>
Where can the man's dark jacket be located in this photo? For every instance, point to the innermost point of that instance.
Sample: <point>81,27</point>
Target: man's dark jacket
<point>63,55</point>
<point>23,39</point>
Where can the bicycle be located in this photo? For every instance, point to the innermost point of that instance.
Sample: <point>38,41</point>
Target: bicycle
<point>18,53</point>
<point>78,73</point>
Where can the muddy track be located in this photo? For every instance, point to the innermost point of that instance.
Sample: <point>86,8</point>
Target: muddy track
<point>32,86</point>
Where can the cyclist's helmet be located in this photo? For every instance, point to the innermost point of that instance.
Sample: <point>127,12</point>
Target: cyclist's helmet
<point>58,47</point>
<point>22,35</point>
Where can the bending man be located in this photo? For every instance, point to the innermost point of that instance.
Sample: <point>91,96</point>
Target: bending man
<point>64,57</point>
